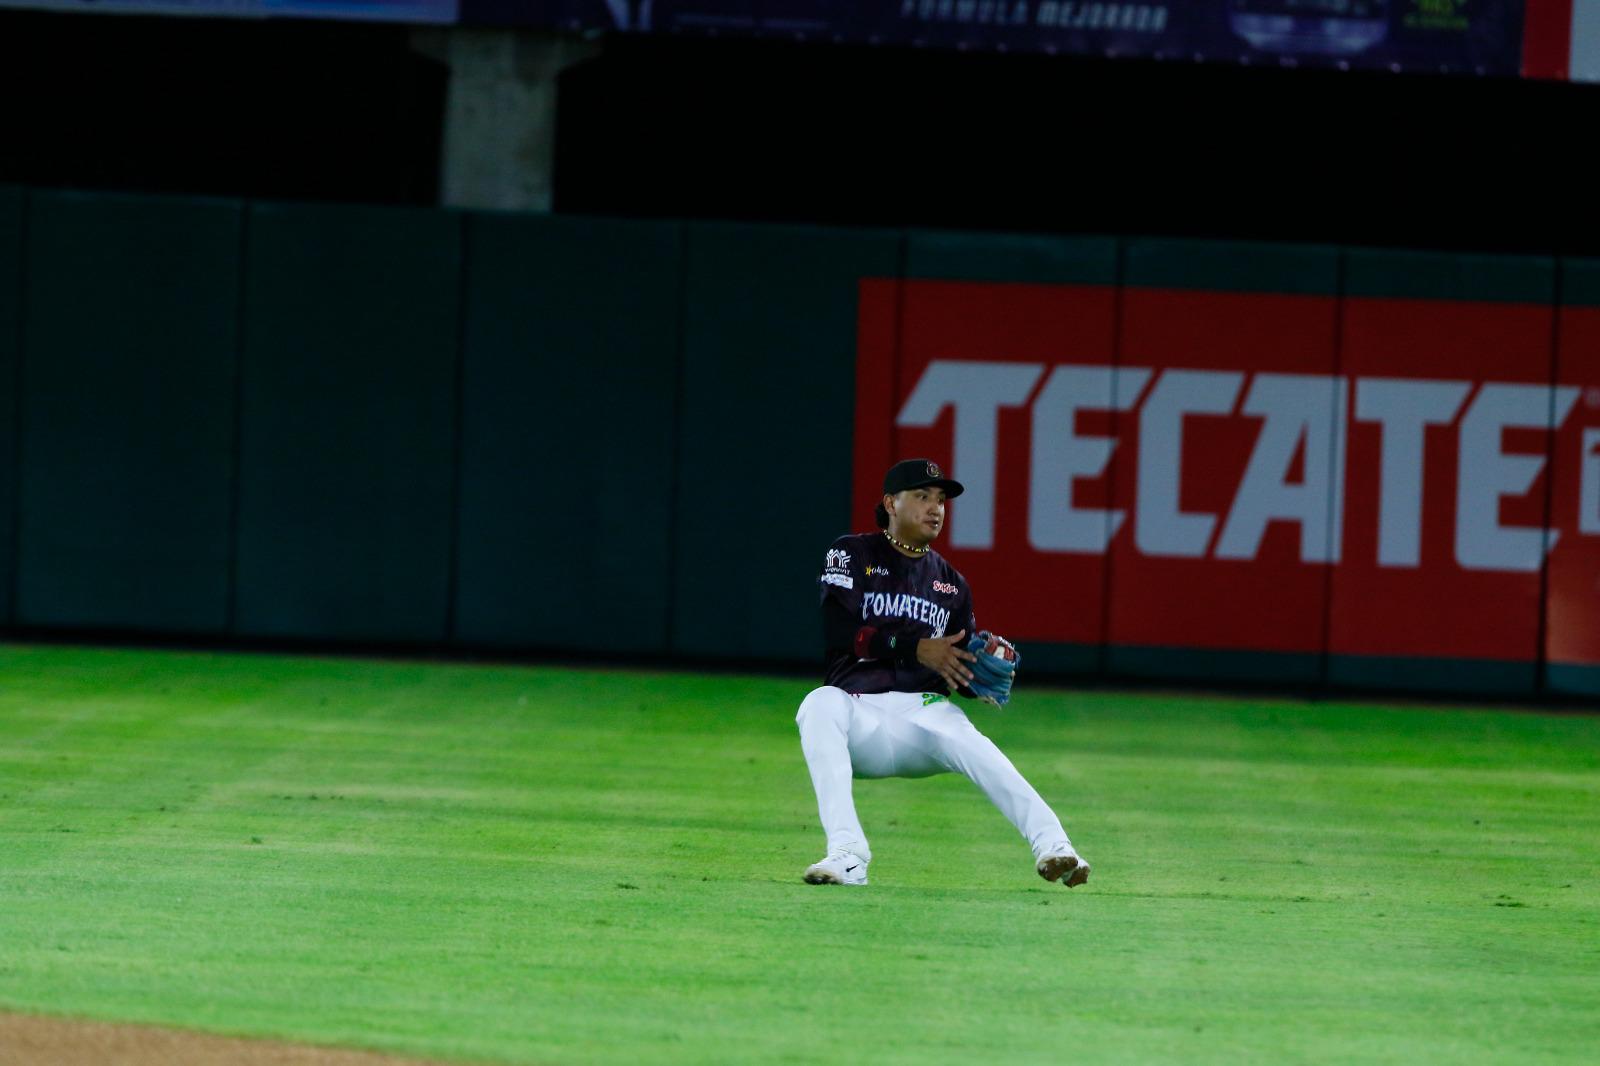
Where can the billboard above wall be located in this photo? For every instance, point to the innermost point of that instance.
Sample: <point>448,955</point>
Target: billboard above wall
<point>1561,40</point>
<point>410,11</point>
<point>1548,39</point>
<point>1449,36</point>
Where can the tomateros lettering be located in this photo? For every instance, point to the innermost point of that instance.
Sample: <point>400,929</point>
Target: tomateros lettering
<point>903,605</point>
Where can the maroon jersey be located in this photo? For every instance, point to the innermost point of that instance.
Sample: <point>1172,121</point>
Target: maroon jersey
<point>867,583</point>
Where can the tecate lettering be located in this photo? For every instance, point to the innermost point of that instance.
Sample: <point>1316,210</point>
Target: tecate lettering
<point>1305,422</point>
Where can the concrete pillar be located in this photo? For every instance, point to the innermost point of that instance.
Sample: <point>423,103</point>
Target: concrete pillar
<point>500,114</point>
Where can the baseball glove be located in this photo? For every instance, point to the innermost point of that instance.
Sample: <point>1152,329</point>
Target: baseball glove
<point>995,668</point>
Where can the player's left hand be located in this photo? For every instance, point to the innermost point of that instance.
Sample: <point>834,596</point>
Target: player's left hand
<point>994,666</point>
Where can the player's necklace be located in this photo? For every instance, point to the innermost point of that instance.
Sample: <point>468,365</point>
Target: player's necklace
<point>906,547</point>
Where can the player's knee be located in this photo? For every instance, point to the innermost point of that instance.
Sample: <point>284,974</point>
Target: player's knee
<point>826,702</point>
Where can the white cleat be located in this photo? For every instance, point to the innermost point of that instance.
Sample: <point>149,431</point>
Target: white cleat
<point>841,867</point>
<point>1066,866</point>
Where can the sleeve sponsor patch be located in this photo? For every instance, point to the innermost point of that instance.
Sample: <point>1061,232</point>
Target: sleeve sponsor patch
<point>844,581</point>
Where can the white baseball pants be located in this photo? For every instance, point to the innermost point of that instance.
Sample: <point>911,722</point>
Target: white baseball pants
<point>896,734</point>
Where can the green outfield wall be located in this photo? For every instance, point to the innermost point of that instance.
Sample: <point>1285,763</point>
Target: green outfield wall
<point>358,426</point>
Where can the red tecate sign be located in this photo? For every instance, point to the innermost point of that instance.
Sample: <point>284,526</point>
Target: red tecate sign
<point>1243,470</point>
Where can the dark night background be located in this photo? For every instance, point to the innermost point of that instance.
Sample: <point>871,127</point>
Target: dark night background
<point>818,133</point>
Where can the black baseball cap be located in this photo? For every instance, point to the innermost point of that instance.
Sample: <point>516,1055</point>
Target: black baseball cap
<point>916,473</point>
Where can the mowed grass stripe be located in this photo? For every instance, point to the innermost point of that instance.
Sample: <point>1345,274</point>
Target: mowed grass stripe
<point>567,866</point>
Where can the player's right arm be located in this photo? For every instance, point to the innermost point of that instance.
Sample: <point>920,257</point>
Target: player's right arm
<point>948,657</point>
<point>843,631</point>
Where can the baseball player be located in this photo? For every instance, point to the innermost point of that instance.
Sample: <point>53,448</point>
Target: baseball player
<point>901,637</point>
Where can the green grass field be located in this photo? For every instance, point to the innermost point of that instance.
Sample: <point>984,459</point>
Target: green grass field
<point>541,865</point>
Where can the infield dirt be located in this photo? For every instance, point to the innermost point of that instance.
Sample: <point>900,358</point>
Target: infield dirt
<point>34,1040</point>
